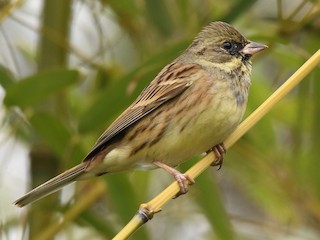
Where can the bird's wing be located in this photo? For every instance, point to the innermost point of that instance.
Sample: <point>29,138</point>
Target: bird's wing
<point>172,81</point>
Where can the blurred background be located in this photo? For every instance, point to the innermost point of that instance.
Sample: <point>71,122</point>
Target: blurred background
<point>68,68</point>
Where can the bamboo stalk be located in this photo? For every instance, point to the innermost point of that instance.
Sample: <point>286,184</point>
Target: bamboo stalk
<point>147,210</point>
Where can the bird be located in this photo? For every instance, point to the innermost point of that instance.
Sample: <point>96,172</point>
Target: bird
<point>189,108</point>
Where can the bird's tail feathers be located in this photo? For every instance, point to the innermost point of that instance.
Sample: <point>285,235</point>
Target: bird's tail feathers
<point>52,185</point>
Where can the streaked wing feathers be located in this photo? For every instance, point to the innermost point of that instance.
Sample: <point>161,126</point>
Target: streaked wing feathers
<point>172,81</point>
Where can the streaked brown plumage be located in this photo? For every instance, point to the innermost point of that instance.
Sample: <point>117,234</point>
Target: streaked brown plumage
<point>192,105</point>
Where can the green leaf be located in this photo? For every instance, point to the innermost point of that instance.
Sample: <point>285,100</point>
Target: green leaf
<point>6,78</point>
<point>120,187</point>
<point>52,131</point>
<point>120,190</point>
<point>208,198</point>
<point>34,89</point>
<point>159,16</point>
<point>103,227</point>
<point>238,8</point>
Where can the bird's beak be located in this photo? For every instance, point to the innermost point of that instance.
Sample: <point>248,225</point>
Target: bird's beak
<point>252,48</point>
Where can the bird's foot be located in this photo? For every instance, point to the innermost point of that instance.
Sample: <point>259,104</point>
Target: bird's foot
<point>219,150</point>
<point>182,179</point>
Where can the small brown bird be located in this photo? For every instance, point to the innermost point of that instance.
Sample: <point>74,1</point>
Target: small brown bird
<point>190,107</point>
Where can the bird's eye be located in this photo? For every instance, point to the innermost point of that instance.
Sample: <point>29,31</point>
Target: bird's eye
<point>227,45</point>
<point>232,48</point>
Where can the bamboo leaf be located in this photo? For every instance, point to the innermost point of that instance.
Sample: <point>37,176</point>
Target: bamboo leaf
<point>52,131</point>
<point>159,16</point>
<point>237,9</point>
<point>208,198</point>
<point>6,78</point>
<point>34,89</point>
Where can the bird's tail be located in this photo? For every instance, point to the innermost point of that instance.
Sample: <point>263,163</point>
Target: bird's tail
<point>52,185</point>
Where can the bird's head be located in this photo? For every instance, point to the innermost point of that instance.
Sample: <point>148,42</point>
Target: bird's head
<point>221,43</point>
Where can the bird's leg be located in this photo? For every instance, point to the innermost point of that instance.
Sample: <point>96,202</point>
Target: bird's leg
<point>219,151</point>
<point>183,179</point>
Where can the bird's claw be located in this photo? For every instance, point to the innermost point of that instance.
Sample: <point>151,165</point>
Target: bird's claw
<point>183,181</point>
<point>219,150</point>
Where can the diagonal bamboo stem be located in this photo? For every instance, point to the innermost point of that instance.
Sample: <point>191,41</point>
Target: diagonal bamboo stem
<point>147,210</point>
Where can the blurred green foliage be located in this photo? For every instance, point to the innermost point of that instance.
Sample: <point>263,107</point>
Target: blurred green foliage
<point>269,185</point>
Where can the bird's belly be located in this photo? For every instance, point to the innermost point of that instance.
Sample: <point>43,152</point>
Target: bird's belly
<point>196,134</point>
<point>173,140</point>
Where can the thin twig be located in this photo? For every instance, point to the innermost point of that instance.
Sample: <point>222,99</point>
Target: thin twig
<point>147,210</point>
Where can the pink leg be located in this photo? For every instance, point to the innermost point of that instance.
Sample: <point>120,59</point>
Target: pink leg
<point>183,179</point>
